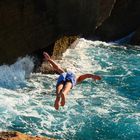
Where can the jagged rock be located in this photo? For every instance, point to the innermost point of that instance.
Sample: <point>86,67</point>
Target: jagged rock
<point>19,136</point>
<point>60,47</point>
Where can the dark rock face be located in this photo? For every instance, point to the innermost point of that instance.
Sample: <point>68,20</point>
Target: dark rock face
<point>25,26</point>
<point>31,25</point>
<point>105,9</point>
<point>28,26</point>
<point>124,19</point>
<point>136,38</point>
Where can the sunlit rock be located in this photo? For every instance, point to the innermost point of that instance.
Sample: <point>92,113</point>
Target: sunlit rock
<point>19,136</point>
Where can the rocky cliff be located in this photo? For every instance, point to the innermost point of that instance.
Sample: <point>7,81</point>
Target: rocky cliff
<point>31,25</point>
<point>28,26</point>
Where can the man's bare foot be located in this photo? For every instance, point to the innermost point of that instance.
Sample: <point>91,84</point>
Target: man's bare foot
<point>96,77</point>
<point>56,104</point>
<point>62,99</point>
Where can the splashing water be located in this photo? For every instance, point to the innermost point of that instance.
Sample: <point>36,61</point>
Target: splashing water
<point>107,109</point>
<point>14,76</point>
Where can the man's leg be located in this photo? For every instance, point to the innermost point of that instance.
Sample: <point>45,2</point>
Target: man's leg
<point>65,91</point>
<point>58,92</point>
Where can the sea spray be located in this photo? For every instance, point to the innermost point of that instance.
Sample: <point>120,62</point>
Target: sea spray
<point>14,76</point>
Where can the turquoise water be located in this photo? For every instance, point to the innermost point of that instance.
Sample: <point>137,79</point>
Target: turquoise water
<point>102,110</point>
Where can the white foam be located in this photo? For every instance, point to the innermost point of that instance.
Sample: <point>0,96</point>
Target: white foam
<point>14,75</point>
<point>77,60</point>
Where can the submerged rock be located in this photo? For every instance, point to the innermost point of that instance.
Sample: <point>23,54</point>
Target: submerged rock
<point>13,135</point>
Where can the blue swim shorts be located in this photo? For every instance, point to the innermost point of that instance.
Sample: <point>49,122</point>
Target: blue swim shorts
<point>67,76</point>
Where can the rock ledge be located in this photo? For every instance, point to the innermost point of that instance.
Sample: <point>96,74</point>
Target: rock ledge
<point>13,135</point>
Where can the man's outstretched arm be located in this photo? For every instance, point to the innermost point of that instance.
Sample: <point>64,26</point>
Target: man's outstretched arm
<point>85,76</point>
<point>55,66</point>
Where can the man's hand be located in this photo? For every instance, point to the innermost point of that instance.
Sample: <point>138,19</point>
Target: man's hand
<point>47,57</point>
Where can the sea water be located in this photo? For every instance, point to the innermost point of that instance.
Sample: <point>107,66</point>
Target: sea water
<point>94,110</point>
